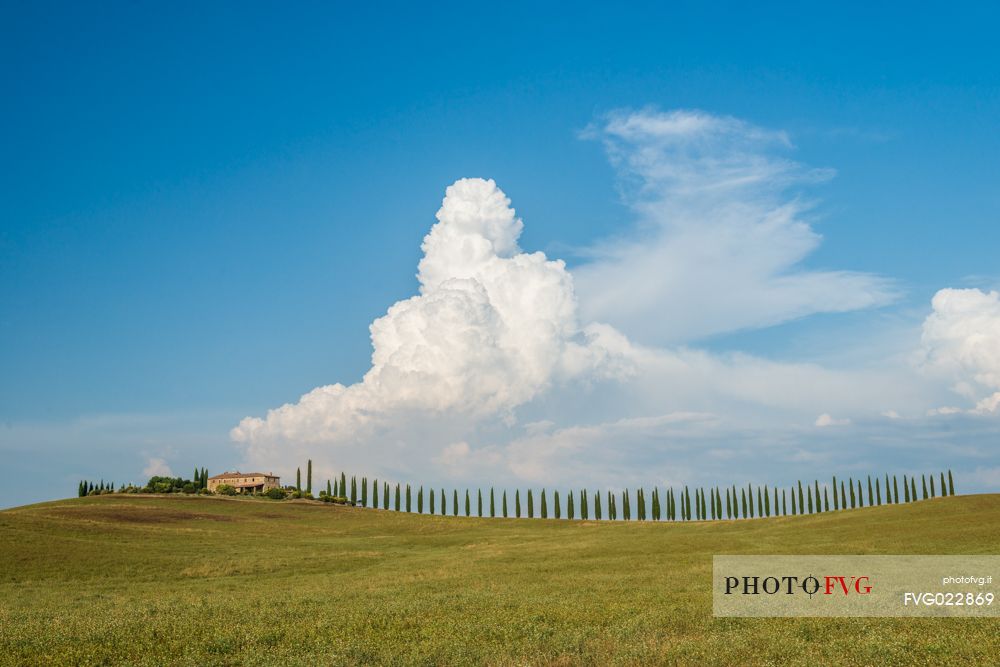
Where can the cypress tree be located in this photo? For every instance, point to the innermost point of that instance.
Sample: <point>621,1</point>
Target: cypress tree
<point>354,492</point>
<point>493,508</point>
<point>517,503</point>
<point>454,503</point>
<point>505,503</point>
<point>468,504</point>
<point>836,504</point>
<point>420,500</point>
<point>329,489</point>
<point>784,505</point>
<point>584,508</point>
<point>409,507</point>
<point>597,505</point>
<point>298,479</point>
<point>802,500</point>
<point>760,504</point>
<point>444,504</point>
<point>385,496</point>
<point>729,505</point>
<point>544,508</point>
<point>309,476</point>
<point>430,493</point>
<point>397,496</point>
<point>611,507</point>
<point>556,505</point>
<point>810,500</point>
<point>569,505</point>
<point>826,499</point>
<point>878,491</point>
<point>479,502</point>
<point>750,499</point>
<point>364,491</point>
<point>197,478</point>
<point>923,480</point>
<point>343,485</point>
<point>906,490</point>
<point>951,484</point>
<point>793,503</point>
<point>861,495</point>
<point>743,503</point>
<point>640,500</point>
<point>932,486</point>
<point>767,502</point>
<point>655,505</point>
<point>871,498</point>
<point>913,489</point>
<point>895,490</point>
<point>944,491</point>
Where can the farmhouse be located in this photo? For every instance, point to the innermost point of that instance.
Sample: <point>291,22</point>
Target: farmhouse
<point>245,482</point>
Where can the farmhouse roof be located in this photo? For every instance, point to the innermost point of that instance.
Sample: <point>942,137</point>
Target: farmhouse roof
<point>234,475</point>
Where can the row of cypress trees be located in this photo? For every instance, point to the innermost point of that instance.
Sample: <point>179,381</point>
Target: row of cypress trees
<point>702,505</point>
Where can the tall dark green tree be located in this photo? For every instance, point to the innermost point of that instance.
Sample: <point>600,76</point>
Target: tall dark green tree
<point>454,503</point>
<point>802,499</point>
<point>555,504</point>
<point>923,480</point>
<point>794,508</point>
<point>517,503</point>
<point>597,505</point>
<point>409,506</point>
<point>810,500</point>
<point>895,490</point>
<point>468,504</point>
<point>544,507</point>
<point>932,486</point>
<point>767,502</point>
<point>444,503</point>
<point>826,499</point>
<point>397,496</point>
<point>836,503</point>
<point>760,504</point>
<point>385,496</point>
<point>430,504</point>
<point>784,505</point>
<point>583,505</point>
<point>298,479</point>
<point>729,505</point>
<point>878,491</point>
<point>364,491</point>
<point>504,503</point>
<point>309,476</point>
<point>944,489</point>
<point>420,500</point>
<point>329,490</point>
<point>354,491</point>
<point>951,484</point>
<point>750,499</point>
<point>743,503</point>
<point>906,490</point>
<point>913,489</point>
<point>479,502</point>
<point>569,505</point>
<point>493,512</point>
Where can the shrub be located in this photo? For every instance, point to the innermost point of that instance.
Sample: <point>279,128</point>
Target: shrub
<point>226,490</point>
<point>205,492</point>
<point>188,488</point>
<point>275,494</point>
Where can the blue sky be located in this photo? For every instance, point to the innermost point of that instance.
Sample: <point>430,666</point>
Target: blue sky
<point>204,209</point>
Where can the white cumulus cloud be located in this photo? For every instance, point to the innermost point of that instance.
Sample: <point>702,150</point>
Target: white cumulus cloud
<point>491,328</point>
<point>961,341</point>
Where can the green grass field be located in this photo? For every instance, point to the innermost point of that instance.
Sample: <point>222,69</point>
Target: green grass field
<point>188,580</point>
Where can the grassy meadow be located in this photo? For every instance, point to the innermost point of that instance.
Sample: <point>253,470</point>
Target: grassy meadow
<point>149,580</point>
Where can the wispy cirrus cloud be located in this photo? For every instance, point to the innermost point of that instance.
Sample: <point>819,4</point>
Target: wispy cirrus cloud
<point>720,236</point>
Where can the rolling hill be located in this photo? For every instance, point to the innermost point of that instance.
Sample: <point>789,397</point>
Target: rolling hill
<point>195,580</point>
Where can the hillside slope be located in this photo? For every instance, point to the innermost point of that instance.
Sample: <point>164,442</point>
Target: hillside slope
<point>178,580</point>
